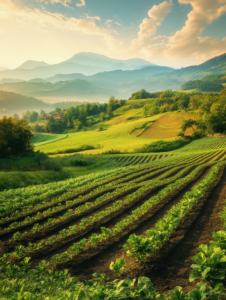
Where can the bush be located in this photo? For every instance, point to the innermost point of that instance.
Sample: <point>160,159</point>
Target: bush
<point>162,146</point>
<point>74,150</point>
<point>180,134</point>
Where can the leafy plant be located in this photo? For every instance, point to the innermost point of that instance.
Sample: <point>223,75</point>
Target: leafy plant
<point>139,246</point>
<point>118,266</point>
<point>211,264</point>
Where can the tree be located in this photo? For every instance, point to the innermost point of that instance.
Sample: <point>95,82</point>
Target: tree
<point>57,110</point>
<point>189,123</point>
<point>77,124</point>
<point>50,125</point>
<point>42,112</point>
<point>15,137</point>
<point>16,116</point>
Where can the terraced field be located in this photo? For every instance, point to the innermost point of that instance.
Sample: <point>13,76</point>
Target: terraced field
<point>84,224</point>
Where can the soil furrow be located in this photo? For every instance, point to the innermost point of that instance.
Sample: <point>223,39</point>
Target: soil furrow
<point>102,260</point>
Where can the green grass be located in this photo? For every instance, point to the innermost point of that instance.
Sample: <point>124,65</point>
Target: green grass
<point>47,138</point>
<point>116,136</point>
<point>17,179</point>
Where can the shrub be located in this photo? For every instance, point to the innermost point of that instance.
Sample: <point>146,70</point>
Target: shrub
<point>162,146</point>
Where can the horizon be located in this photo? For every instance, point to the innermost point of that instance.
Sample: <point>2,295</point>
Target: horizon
<point>173,33</point>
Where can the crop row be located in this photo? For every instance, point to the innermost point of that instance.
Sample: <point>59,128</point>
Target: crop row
<point>142,246</point>
<point>121,226</point>
<point>11,200</point>
<point>66,197</point>
<point>70,215</point>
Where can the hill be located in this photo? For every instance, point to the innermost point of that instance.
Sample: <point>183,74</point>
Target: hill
<point>216,65</point>
<point>104,84</point>
<point>210,83</point>
<point>65,89</point>
<point>12,102</point>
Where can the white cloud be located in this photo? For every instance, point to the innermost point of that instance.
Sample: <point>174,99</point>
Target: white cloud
<point>186,46</point>
<point>81,4</point>
<point>149,26</point>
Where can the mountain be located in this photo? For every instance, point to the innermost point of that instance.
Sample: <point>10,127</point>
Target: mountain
<point>85,63</point>
<point>38,80</point>
<point>118,76</point>
<point>32,64</point>
<point>12,102</point>
<point>73,89</point>
<point>97,60</point>
<point>10,80</point>
<point>216,65</point>
<point>101,85</point>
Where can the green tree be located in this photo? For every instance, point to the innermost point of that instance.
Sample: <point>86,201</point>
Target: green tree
<point>16,116</point>
<point>57,110</point>
<point>50,125</point>
<point>42,112</point>
<point>189,123</point>
<point>15,137</point>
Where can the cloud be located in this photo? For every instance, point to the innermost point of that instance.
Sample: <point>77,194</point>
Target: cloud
<point>63,2</point>
<point>81,4</point>
<point>187,42</point>
<point>149,26</point>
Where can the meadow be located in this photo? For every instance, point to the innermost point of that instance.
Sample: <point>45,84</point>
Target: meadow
<point>125,132</point>
<point>153,209</point>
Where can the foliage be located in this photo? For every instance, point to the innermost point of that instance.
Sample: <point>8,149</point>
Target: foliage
<point>201,85</point>
<point>74,150</point>
<point>162,146</point>
<point>30,117</point>
<point>189,123</point>
<point>15,137</point>
<point>118,266</point>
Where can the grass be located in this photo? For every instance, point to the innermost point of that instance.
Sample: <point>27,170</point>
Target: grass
<point>17,179</point>
<point>42,139</point>
<point>120,133</point>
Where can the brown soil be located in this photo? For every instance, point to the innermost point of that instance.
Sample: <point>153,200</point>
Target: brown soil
<point>99,258</point>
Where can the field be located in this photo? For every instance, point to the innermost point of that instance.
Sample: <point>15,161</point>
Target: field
<point>126,132</point>
<point>83,224</point>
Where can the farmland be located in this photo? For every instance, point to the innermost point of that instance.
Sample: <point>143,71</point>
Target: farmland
<point>169,201</point>
<point>125,132</point>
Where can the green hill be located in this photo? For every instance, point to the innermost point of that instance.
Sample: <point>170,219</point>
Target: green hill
<point>210,83</point>
<point>11,102</point>
<point>216,65</point>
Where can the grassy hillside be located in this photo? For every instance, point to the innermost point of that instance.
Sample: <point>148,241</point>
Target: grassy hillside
<point>11,102</point>
<point>125,132</point>
<point>210,83</point>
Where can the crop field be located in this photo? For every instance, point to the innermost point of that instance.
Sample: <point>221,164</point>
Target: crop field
<point>126,132</point>
<point>43,139</point>
<point>169,201</point>
<point>168,126</point>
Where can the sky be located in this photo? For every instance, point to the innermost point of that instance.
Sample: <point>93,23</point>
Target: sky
<point>175,33</point>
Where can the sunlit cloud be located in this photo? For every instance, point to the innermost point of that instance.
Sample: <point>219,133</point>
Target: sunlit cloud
<point>149,26</point>
<point>81,4</point>
<point>187,42</point>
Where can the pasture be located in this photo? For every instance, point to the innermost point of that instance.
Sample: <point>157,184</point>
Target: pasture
<point>126,132</point>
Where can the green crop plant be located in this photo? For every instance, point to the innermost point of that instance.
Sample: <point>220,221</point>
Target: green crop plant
<point>210,264</point>
<point>139,246</point>
<point>118,265</point>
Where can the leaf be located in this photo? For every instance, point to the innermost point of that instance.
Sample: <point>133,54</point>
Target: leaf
<point>194,275</point>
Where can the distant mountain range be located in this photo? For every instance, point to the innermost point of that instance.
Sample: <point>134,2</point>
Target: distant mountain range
<point>78,86</point>
<point>32,64</point>
<point>98,87</point>
<point>85,63</point>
